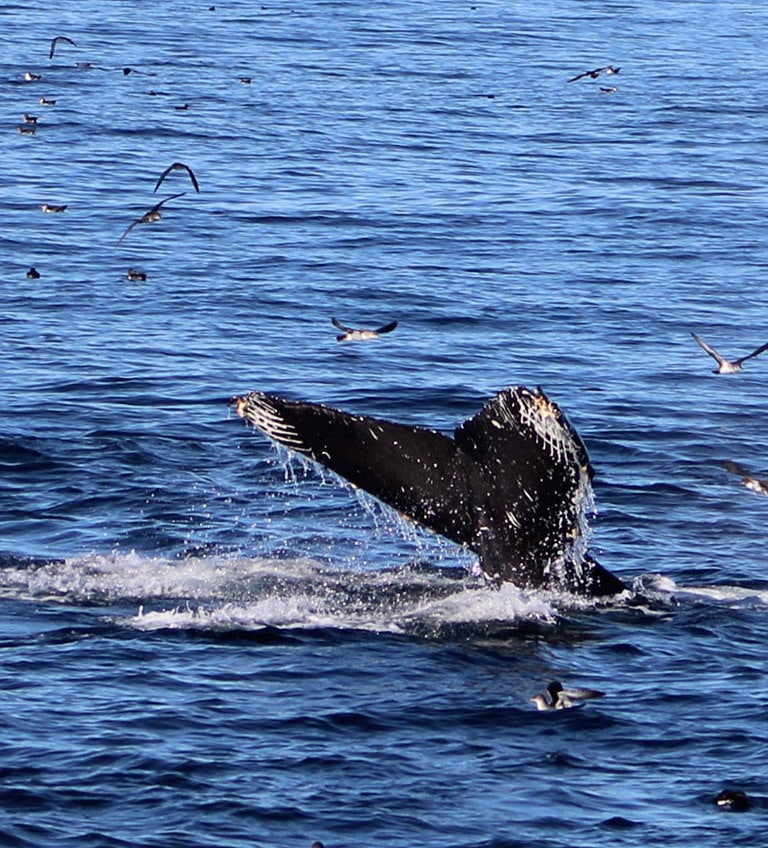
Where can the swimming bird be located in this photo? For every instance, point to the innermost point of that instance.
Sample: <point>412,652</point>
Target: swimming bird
<point>733,799</point>
<point>752,483</point>
<point>607,70</point>
<point>725,366</point>
<point>151,216</point>
<point>244,80</point>
<point>27,129</point>
<point>136,276</point>
<point>47,207</point>
<point>563,699</point>
<point>30,119</point>
<point>45,102</point>
<point>177,166</point>
<point>33,274</point>
<point>611,89</point>
<point>30,77</point>
<point>56,41</point>
<point>350,335</point>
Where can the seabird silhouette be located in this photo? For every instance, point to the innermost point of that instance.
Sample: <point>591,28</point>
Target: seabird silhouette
<point>30,77</point>
<point>136,276</point>
<point>350,335</point>
<point>45,102</point>
<point>151,216</point>
<point>33,274</point>
<point>609,89</point>
<point>608,69</point>
<point>56,41</point>
<point>725,366</point>
<point>27,129</point>
<point>558,698</point>
<point>747,479</point>
<point>47,207</point>
<point>733,799</point>
<point>30,119</point>
<point>177,166</point>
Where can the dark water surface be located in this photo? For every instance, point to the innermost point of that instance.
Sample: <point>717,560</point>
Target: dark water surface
<point>205,642</point>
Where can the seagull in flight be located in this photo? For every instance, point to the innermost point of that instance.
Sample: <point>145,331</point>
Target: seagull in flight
<point>607,70</point>
<point>56,41</point>
<point>725,366</point>
<point>558,698</point>
<point>350,335</point>
<point>151,216</point>
<point>177,166</point>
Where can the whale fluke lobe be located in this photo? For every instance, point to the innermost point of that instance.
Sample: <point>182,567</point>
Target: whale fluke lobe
<point>513,484</point>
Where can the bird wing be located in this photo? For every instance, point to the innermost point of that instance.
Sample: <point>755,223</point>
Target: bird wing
<point>387,328</point>
<point>128,229</point>
<point>339,326</point>
<point>579,76</point>
<point>191,176</point>
<point>757,352</point>
<point>162,177</point>
<point>735,468</point>
<point>156,207</point>
<point>709,349</point>
<point>56,40</point>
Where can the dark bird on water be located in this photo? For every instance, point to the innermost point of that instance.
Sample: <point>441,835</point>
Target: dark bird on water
<point>137,276</point>
<point>177,166</point>
<point>55,42</point>
<point>726,366</point>
<point>751,482</point>
<point>607,70</point>
<point>350,335</point>
<point>48,207</point>
<point>33,274</point>
<point>44,101</point>
<point>733,799</point>
<point>151,216</point>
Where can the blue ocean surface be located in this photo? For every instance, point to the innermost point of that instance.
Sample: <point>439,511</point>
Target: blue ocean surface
<point>206,641</point>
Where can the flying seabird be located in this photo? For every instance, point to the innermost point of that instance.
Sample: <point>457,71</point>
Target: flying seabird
<point>608,69</point>
<point>350,335</point>
<point>725,366</point>
<point>562,699</point>
<point>177,166</point>
<point>47,207</point>
<point>56,41</point>
<point>151,216</point>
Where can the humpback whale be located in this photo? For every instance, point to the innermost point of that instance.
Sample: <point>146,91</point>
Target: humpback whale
<point>512,485</point>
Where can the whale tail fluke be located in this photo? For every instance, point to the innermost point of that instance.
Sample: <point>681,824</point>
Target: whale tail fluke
<point>513,484</point>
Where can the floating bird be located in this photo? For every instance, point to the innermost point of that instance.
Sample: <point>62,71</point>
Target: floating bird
<point>350,335</point>
<point>244,80</point>
<point>177,166</point>
<point>137,276</point>
<point>47,207</point>
<point>27,129</point>
<point>609,89</point>
<point>151,216</point>
<point>45,102</point>
<point>733,799</point>
<point>725,366</point>
<point>33,274</point>
<point>747,479</point>
<point>56,41</point>
<point>562,699</point>
<point>607,70</point>
<point>30,119</point>
<point>30,77</point>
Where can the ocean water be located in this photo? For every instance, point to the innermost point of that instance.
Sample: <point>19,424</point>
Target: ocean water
<point>206,641</point>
